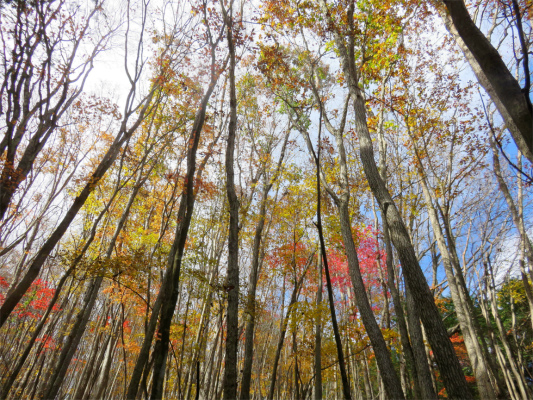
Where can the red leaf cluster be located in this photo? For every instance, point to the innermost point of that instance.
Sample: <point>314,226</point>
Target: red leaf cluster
<point>370,258</point>
<point>35,301</point>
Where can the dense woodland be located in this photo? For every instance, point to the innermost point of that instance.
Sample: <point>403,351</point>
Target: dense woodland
<point>277,199</point>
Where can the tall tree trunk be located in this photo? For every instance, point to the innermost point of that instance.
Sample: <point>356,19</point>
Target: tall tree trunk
<point>168,295</point>
<point>338,341</point>
<point>251,302</point>
<point>254,276</point>
<point>449,366</point>
<point>82,386</point>
<point>103,377</point>
<point>285,322</point>
<point>318,334</point>
<point>54,384</point>
<point>297,389</point>
<point>496,354</point>
<point>210,372</point>
<point>516,214</point>
<point>203,330</point>
<point>414,349</point>
<point>458,292</point>
<point>419,351</point>
<point>390,378</point>
<point>392,382</point>
<point>512,102</point>
<point>35,267</point>
<point>232,278</point>
<point>515,371</point>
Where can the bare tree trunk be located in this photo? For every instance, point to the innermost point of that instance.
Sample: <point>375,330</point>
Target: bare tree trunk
<point>413,346</point>
<point>318,334</point>
<point>208,385</point>
<point>420,373</point>
<point>296,378</point>
<point>82,387</point>
<point>103,376</point>
<point>35,267</point>
<point>338,342</point>
<point>232,278</point>
<point>203,329</point>
<point>52,389</point>
<point>368,384</point>
<point>523,259</point>
<point>417,340</point>
<point>285,322</point>
<point>512,102</point>
<point>458,292</point>
<point>514,209</point>
<point>392,382</point>
<point>449,366</point>
<point>168,295</point>
<point>251,302</point>
<point>254,276</point>
<point>515,370</point>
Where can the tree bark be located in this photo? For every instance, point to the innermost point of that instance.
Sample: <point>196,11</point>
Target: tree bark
<point>150,328</point>
<point>338,342</point>
<point>232,277</point>
<point>170,289</point>
<point>392,382</point>
<point>254,276</point>
<point>515,369</point>
<point>35,267</point>
<point>285,322</point>
<point>449,366</point>
<point>458,292</point>
<point>492,74</point>
<point>318,335</point>
<point>419,351</point>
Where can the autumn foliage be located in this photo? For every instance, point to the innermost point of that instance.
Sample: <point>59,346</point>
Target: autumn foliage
<point>119,125</point>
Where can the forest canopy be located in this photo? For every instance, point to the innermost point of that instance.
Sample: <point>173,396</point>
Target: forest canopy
<point>232,199</point>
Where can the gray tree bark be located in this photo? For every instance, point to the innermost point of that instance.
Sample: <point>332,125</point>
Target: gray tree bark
<point>285,322</point>
<point>254,276</point>
<point>492,74</point>
<point>458,292</point>
<point>392,382</point>
<point>449,366</point>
